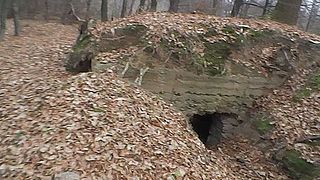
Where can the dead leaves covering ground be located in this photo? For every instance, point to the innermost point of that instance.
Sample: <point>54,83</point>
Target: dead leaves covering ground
<point>95,124</point>
<point>295,120</point>
<point>184,31</point>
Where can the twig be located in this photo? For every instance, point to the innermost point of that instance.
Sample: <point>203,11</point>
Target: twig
<point>285,54</point>
<point>125,69</point>
<point>140,77</point>
<point>169,56</point>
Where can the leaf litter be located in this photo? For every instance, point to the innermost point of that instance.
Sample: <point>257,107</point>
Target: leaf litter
<point>104,128</point>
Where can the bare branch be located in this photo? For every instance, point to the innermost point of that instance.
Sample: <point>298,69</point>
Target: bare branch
<point>72,11</point>
<point>125,69</point>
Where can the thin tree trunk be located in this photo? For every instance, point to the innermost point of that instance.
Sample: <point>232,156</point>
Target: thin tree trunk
<point>66,12</point>
<point>218,9</point>
<point>313,13</point>
<point>236,8</point>
<point>88,8</point>
<point>174,5</point>
<point>131,7</point>
<point>16,18</point>
<point>142,5</point>
<point>124,8</point>
<point>265,8</point>
<point>104,10</point>
<point>154,4</point>
<point>4,6</point>
<point>46,3</point>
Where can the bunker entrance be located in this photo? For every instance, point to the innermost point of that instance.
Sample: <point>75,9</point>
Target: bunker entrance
<point>209,127</point>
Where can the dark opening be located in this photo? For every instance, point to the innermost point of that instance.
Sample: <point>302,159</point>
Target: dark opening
<point>79,62</point>
<point>84,66</point>
<point>209,128</point>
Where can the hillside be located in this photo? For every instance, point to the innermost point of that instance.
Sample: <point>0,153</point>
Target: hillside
<point>259,78</point>
<point>115,123</point>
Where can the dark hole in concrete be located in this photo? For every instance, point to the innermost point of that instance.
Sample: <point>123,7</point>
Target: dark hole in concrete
<point>84,66</point>
<point>79,62</point>
<point>209,128</point>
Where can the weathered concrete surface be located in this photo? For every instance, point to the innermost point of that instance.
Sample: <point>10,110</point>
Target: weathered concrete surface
<point>193,93</point>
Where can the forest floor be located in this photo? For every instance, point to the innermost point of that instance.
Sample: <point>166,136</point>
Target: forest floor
<point>46,125</point>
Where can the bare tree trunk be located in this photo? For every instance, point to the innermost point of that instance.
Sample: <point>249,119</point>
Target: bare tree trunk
<point>16,19</point>
<point>154,4</point>
<point>218,9</point>
<point>287,11</point>
<point>46,16</point>
<point>313,13</point>
<point>142,5</point>
<point>88,8</point>
<point>265,8</point>
<point>4,6</point>
<point>174,5</point>
<point>124,8</point>
<point>214,6</point>
<point>66,12</point>
<point>236,8</point>
<point>104,10</point>
<point>131,7</point>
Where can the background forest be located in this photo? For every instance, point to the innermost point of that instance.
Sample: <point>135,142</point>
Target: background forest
<point>303,13</point>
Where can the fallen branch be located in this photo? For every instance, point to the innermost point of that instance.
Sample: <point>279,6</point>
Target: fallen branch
<point>169,56</point>
<point>114,39</point>
<point>308,139</point>
<point>285,54</point>
<point>125,69</point>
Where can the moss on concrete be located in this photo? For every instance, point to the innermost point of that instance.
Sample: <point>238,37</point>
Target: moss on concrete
<point>298,167</point>
<point>82,43</point>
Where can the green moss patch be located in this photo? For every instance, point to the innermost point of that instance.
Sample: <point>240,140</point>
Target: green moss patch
<point>82,43</point>
<point>211,32</point>
<point>298,167</point>
<point>262,123</point>
<point>229,30</point>
<point>258,34</point>
<point>315,82</point>
<point>215,56</point>
<point>302,93</point>
<point>312,85</point>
